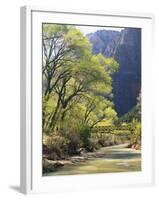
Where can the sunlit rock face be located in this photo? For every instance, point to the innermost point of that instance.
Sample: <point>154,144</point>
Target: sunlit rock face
<point>125,47</point>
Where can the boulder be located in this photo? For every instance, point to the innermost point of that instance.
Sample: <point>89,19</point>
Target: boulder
<point>77,159</point>
<point>50,165</point>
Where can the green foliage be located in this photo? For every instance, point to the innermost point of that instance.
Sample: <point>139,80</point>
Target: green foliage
<point>109,64</point>
<point>136,127</point>
<point>85,133</point>
<point>50,30</point>
<point>134,113</point>
<point>77,42</point>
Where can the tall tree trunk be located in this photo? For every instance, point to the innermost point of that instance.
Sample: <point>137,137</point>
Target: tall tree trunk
<point>53,119</point>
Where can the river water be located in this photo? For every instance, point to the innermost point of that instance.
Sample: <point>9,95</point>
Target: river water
<point>114,159</point>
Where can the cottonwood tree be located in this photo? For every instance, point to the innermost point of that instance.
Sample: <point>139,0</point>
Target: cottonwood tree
<point>70,71</point>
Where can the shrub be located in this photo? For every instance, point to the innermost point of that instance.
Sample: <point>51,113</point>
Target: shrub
<point>58,146</point>
<point>74,144</point>
<point>71,134</point>
<point>93,145</point>
<point>85,133</point>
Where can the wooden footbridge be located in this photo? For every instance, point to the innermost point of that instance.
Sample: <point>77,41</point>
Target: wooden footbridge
<point>124,132</point>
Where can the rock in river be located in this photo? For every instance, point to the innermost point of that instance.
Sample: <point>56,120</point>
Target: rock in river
<point>50,165</point>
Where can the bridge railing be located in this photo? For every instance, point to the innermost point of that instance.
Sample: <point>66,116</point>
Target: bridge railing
<point>117,130</point>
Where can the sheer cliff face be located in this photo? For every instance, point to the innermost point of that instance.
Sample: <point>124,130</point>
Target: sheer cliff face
<point>125,47</point>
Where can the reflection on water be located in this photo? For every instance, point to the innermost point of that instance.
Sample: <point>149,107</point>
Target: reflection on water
<point>112,159</point>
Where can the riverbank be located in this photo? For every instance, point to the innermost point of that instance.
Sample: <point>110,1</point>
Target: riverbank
<point>117,154</point>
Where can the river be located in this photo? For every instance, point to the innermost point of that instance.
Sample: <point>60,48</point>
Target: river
<point>114,159</point>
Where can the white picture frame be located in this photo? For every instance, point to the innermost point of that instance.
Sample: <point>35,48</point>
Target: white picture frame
<point>31,135</point>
